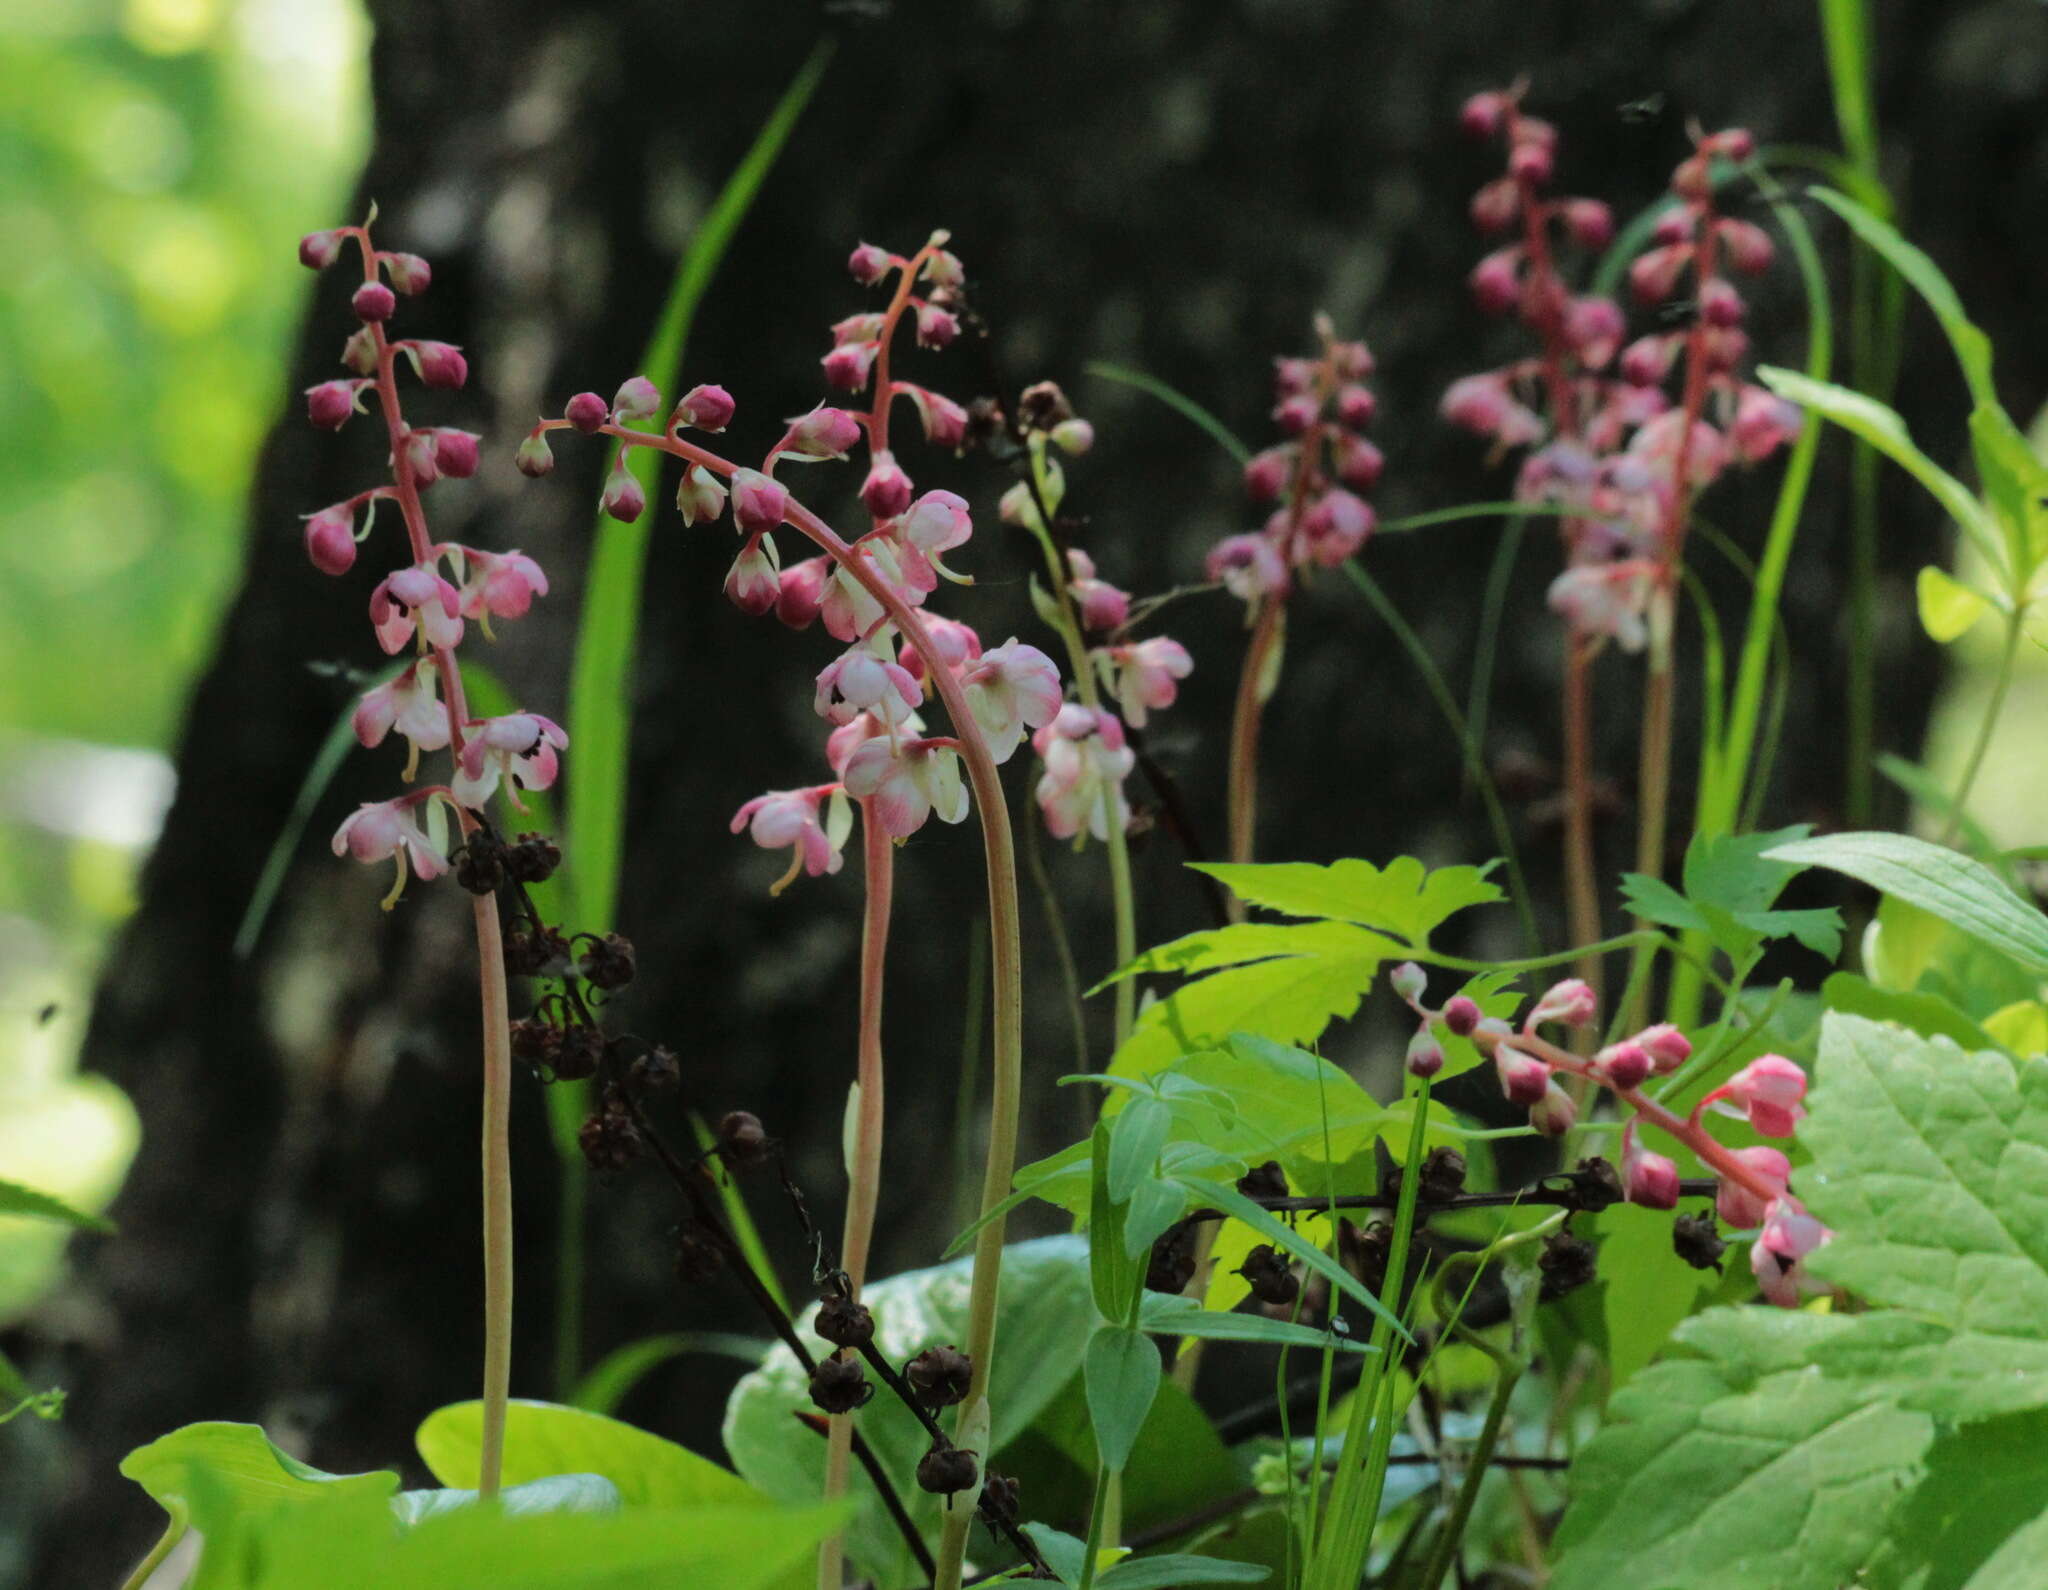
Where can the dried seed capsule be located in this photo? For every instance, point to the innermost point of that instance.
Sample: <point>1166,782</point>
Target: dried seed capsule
<point>1443,1175</point>
<point>480,863</point>
<point>844,1323</point>
<point>839,1384</point>
<point>999,1496</point>
<point>578,1054</point>
<point>946,1469</point>
<point>609,1140</point>
<point>656,1071</point>
<point>1697,1240</point>
<point>1271,1280</point>
<point>1172,1264</point>
<point>1264,1181</point>
<point>940,1376</point>
<point>1599,1185</point>
<point>1364,1252</point>
<point>1567,1264</point>
<point>699,1255</point>
<point>607,962</point>
<point>743,1140</point>
<point>535,1042</point>
<point>532,859</point>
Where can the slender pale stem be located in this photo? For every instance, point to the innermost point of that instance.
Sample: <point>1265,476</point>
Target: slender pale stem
<point>1653,781</point>
<point>2001,683</point>
<point>1509,1375</point>
<point>1252,690</point>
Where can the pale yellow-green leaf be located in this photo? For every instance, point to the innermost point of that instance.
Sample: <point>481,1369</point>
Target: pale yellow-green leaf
<point>1948,607</point>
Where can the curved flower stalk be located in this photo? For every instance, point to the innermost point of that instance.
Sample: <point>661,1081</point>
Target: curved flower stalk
<point>1754,1190</point>
<point>870,594</point>
<point>419,607</point>
<point>1318,519</point>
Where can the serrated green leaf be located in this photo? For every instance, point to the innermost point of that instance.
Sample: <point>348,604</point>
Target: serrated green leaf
<point>1404,898</point>
<point>1654,900</point>
<point>1949,608</point>
<point>1964,893</point>
<point>1120,1371</point>
<point>1982,1486</point>
<point>1241,942</point>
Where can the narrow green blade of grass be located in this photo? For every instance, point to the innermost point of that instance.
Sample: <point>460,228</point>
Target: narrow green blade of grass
<point>736,1213</point>
<point>1179,402</point>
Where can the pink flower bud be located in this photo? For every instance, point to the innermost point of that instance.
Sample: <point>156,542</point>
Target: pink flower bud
<point>824,433</point>
<point>1523,1078</point>
<point>1778,1258</point>
<point>800,592</point>
<point>1073,437</point>
<point>318,250</point>
<point>534,457</point>
<point>758,503</point>
<point>638,399</point>
<point>1652,276</point>
<point>1667,1047</point>
<point>1408,981</point>
<point>1674,225</point>
<point>1623,1065</point>
<point>699,495</point>
<point>868,264</point>
<point>1425,1057</point>
<point>704,408</point>
<point>1337,526</point>
<point>419,458</point>
<point>1356,406</point>
<point>1103,607</point>
<point>624,498</point>
<point>1496,281</point>
<point>1461,1015</point>
<point>439,364</point>
<point>886,491</point>
<point>1720,303</point>
<point>587,412</point>
<point>331,540</point>
<point>1693,180</point>
<point>943,269</point>
<point>1649,1179</point>
<point>330,404</point>
<point>1768,1091</point>
<point>1265,476</point>
<point>455,452</point>
<point>945,422</point>
<point>1247,566</point>
<point>1733,143</point>
<point>373,303</point>
<point>1531,160</point>
<point>1554,1113</point>
<point>1594,326</point>
<point>1351,360</point>
<point>1296,414</point>
<point>1484,115</point>
<point>1570,1003</point>
<point>1589,223</point>
<point>1647,360</point>
<point>1292,377</point>
<point>1763,423</point>
<point>864,327</point>
<point>1742,1208</point>
<point>407,273</point>
<point>936,328</point>
<point>1495,206</point>
<point>1358,462</point>
<point>1749,246</point>
<point>847,366</point>
<point>359,353</point>
<point>753,584</point>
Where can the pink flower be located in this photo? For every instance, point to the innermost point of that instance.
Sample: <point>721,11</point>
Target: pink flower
<point>936,328</point>
<point>937,522</point>
<point>847,366</point>
<point>1102,605</point>
<point>1337,526</point>
<point>861,682</point>
<point>624,498</point>
<point>1482,404</point>
<point>868,264</point>
<point>1496,281</point>
<point>1768,1090</point>
<point>758,503</point>
<point>636,399</point>
<point>886,491</point>
<point>821,434</point>
<point>373,303</point>
<point>1086,763</point>
<point>1523,1078</point>
<point>1248,566</point>
<point>520,747</point>
<point>956,644</point>
<point>534,457</point>
<point>800,591</point>
<point>455,452</point>
<point>1145,676</point>
<point>704,408</point>
<point>330,404</point>
<point>700,495</point>
<point>945,422</point>
<point>1652,276</point>
<point>416,597</point>
<point>1590,223</point>
<point>1741,1207</point>
<point>1265,477</point>
<point>1593,326</point>
<point>1359,462</point>
<point>437,364</point>
<point>318,250</point>
<point>754,584</point>
<point>1778,1257</point>
<point>1667,1047</point>
<point>1649,1179</point>
<point>587,412</point>
<point>1623,1065</point>
<point>331,539</point>
<point>408,273</point>
<point>501,584</point>
<point>1553,1113</point>
<point>1571,1003</point>
<point>1748,246</point>
<point>908,781</point>
<point>1763,423</point>
<point>790,818</point>
<point>1604,599</point>
<point>1009,688</point>
<point>408,703</point>
<point>380,830</point>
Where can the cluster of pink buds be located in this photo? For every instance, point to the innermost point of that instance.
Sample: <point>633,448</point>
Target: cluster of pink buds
<point>1606,441</point>
<point>1313,479</point>
<point>424,604</point>
<point>1753,1190</point>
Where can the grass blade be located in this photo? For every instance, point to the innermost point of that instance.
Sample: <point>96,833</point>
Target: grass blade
<point>1179,402</point>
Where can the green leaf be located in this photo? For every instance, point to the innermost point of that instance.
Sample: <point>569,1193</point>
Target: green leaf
<point>546,1438</point>
<point>1404,899</point>
<point>1949,608</point>
<point>559,1493</point>
<point>1121,1372</point>
<point>1973,348</point>
<point>1646,1290</point>
<point>1155,1205</point>
<point>1113,1272</point>
<point>623,1368</point>
<point>1884,430</point>
<point>1982,1486</point>
<point>1170,1314</point>
<point>1928,1162</point>
<point>1964,893</point>
<point>1927,1014</point>
<point>2014,481</point>
<point>1740,1467</point>
<point>1063,1553</point>
<point>1178,401</point>
<point>1266,1100</point>
<point>1136,1134</point>
<point>1241,942</point>
<point>26,1202</point>
<point>1288,1240</point>
<point>1729,888</point>
<point>1178,1568</point>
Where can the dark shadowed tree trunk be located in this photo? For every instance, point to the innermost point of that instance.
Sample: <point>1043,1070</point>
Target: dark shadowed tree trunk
<point>1175,185</point>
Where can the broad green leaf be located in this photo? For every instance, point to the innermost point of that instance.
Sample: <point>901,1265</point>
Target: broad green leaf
<point>544,1438</point>
<point>1403,899</point>
<point>1243,942</point>
<point>1155,1205</point>
<point>1136,1134</point>
<point>1170,1569</point>
<point>1738,1468</point>
<point>1120,1369</point>
<point>1884,430</point>
<point>1949,608</point>
<point>16,1199</point>
<point>2014,482</point>
<point>1927,1014</point>
<point>559,1493</point>
<point>1170,1314</point>
<point>1646,1290</point>
<point>1931,1165</point>
<point>623,1368</point>
<point>1047,1315</point>
<point>1973,348</point>
<point>2020,1028</point>
<point>1063,1553</point>
<point>1982,1486</point>
<point>1113,1273</point>
<point>1962,892</point>
<point>1729,889</point>
<point>1266,1100</point>
<point>1908,949</point>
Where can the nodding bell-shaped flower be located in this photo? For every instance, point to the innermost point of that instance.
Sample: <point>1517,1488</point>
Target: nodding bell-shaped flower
<point>936,327</point>
<point>758,503</point>
<point>1102,605</point>
<point>318,250</point>
<point>1768,1091</point>
<point>1763,423</point>
<point>407,273</point>
<point>624,498</point>
<point>1667,1047</point>
<point>1359,462</point>
<point>704,408</point>
<point>848,366</point>
<point>331,539</point>
<point>821,434</point>
<point>886,491</point>
<point>1739,1206</point>
<point>956,643</point>
<point>801,821</point>
<point>1623,1065</point>
<point>1523,1078</point>
<point>1248,567</point>
<point>1553,1113</point>
<point>908,780</point>
<point>1483,405</point>
<point>437,364</point>
<point>416,598</point>
<point>1462,1015</point>
<point>700,495</point>
<point>534,457</point>
<point>497,584</point>
<point>330,404</point>
<point>380,830</point>
<point>1009,688</point>
<point>936,523</point>
<point>637,399</point>
<point>520,747</point>
<point>860,682</point>
<point>1605,599</point>
<point>754,582</point>
<point>1144,677</point>
<point>1086,763</point>
<point>1336,527</point>
<point>800,592</point>
<point>1425,1056</point>
<point>945,422</point>
<point>1571,1003</point>
<point>1409,983</point>
<point>1649,1179</point>
<point>455,452</point>
<point>410,704</point>
<point>868,264</point>
<point>1778,1257</point>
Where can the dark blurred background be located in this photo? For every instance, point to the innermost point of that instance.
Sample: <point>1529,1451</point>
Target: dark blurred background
<point>1175,186</point>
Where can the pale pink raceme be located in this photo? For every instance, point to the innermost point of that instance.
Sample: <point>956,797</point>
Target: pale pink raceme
<point>1739,1206</point>
<point>408,703</point>
<point>791,818</point>
<point>416,598</point>
<point>1145,676</point>
<point>908,781</point>
<point>519,749</point>
<point>380,830</point>
<point>1778,1257</point>
<point>1086,763</point>
<point>860,682</point>
<point>1768,1091</point>
<point>955,642</point>
<point>1010,688</point>
<point>497,584</point>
